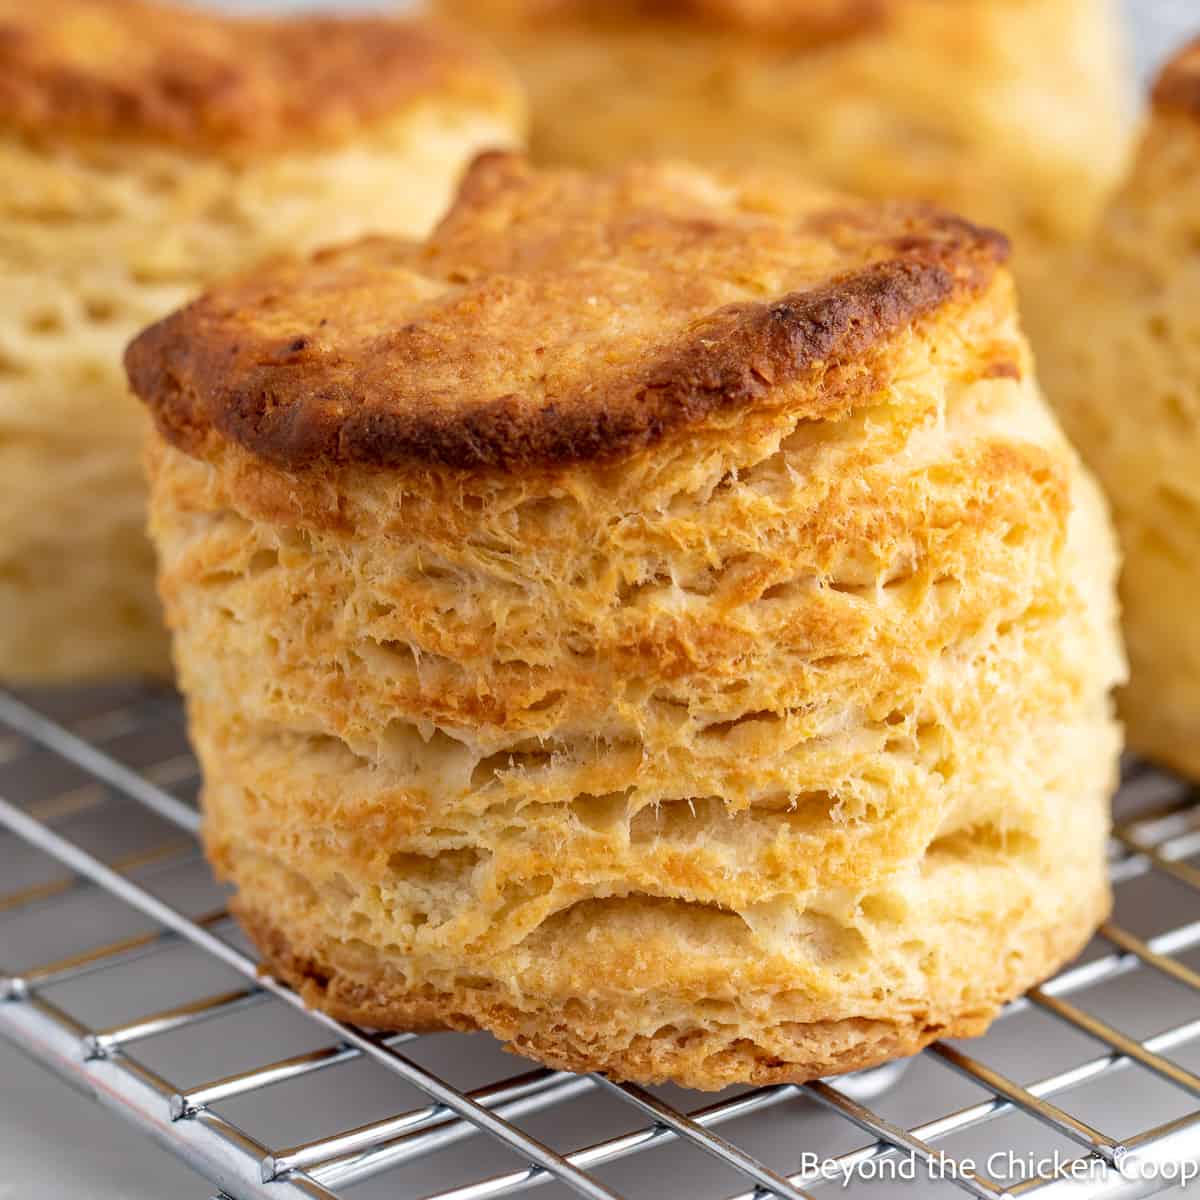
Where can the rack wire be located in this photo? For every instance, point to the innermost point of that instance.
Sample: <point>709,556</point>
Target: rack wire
<point>97,792</point>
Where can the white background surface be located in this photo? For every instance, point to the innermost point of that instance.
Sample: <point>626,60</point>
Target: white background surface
<point>55,1144</point>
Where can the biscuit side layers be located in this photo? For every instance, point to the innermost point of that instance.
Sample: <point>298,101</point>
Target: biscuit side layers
<point>774,743</point>
<point>1122,365</point>
<point>122,196</point>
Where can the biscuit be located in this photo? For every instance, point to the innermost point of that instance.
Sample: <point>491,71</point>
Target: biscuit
<point>655,619</point>
<point>1119,332</point>
<point>1013,112</point>
<point>145,150</point>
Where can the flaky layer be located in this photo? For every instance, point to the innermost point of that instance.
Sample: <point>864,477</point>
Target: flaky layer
<point>1121,333</point>
<point>654,990</point>
<point>676,907</point>
<point>972,103</point>
<point>750,933</point>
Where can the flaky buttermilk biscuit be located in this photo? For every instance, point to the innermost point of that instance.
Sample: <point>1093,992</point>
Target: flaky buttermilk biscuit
<point>144,151</point>
<point>1010,111</point>
<point>655,619</point>
<point>1120,331</point>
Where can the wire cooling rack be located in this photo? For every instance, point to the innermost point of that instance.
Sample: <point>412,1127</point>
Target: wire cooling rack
<point>121,972</point>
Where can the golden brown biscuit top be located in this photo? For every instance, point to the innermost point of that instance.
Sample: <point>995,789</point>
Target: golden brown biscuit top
<point>798,20</point>
<point>554,317</point>
<point>128,68</point>
<point>1178,87</point>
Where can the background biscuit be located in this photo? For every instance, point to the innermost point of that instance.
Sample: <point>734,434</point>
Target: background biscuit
<point>145,150</point>
<point>1013,112</point>
<point>1120,336</point>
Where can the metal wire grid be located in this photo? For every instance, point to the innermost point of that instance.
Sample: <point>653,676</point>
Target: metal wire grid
<point>1157,838</point>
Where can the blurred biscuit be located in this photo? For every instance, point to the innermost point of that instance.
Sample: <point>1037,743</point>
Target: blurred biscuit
<point>145,150</point>
<point>1119,332</point>
<point>1013,112</point>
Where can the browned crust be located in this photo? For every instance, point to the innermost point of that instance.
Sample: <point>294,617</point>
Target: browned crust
<point>808,22</point>
<point>302,399</point>
<point>1178,87</point>
<point>731,363</point>
<point>139,70</point>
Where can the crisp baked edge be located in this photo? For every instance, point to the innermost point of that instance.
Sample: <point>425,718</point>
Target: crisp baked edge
<point>704,1060</point>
